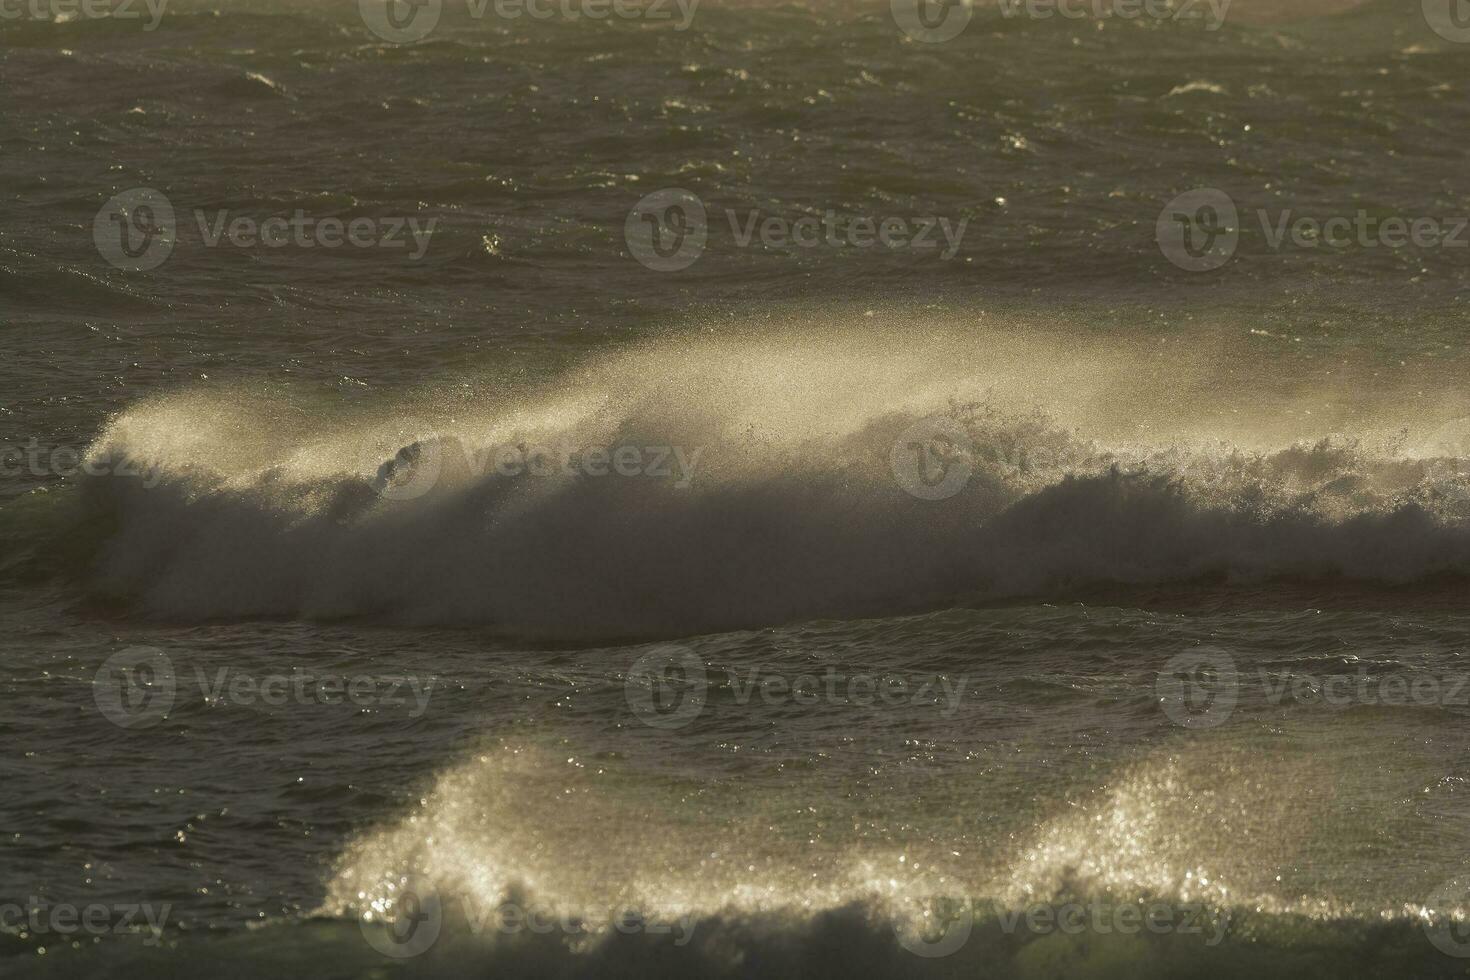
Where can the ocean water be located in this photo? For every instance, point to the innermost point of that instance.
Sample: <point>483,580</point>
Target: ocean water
<point>591,569</point>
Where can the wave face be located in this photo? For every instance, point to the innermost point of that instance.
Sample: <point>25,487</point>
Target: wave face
<point>693,486</point>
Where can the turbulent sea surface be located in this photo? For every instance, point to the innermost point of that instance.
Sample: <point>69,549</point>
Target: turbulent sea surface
<point>941,601</point>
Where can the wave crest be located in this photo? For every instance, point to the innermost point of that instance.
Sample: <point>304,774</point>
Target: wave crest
<point>762,484</point>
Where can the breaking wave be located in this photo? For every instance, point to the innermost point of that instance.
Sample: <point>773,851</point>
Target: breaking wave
<point>700,485</point>
<point>505,871</point>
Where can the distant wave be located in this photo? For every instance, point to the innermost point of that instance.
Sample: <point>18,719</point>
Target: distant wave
<point>764,484</point>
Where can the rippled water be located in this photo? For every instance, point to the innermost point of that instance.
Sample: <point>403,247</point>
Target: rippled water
<point>814,607</point>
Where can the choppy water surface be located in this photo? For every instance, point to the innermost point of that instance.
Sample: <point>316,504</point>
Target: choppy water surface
<point>617,560</point>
